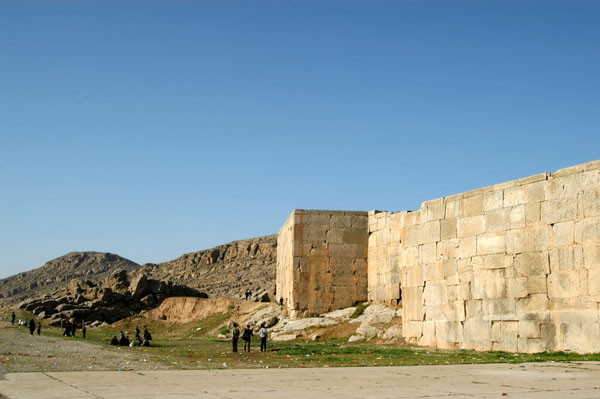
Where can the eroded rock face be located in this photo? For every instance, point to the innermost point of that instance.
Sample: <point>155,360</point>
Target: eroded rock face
<point>117,297</point>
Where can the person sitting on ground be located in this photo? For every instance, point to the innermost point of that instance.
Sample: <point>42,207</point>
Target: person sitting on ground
<point>246,336</point>
<point>145,342</point>
<point>114,340</point>
<point>124,341</point>
<point>147,335</point>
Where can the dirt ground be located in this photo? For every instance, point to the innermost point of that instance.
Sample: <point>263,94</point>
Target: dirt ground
<point>20,351</point>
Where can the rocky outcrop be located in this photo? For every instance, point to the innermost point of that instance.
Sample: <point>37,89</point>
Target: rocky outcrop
<point>225,271</point>
<point>118,296</point>
<point>57,273</point>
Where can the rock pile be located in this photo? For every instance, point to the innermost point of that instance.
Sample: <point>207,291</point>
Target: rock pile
<point>118,296</point>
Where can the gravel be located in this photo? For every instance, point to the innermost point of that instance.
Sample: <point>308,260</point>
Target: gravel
<point>21,352</point>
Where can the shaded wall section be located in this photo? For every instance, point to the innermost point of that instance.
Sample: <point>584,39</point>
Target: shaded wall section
<point>322,260</point>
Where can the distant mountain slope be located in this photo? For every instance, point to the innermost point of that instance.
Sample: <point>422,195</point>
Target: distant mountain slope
<point>57,273</point>
<point>227,270</point>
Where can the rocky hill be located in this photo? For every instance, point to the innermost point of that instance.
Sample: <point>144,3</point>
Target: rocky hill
<point>227,270</point>
<point>57,273</point>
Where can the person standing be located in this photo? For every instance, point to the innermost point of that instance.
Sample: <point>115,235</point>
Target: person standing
<point>235,336</point>
<point>83,330</point>
<point>39,328</point>
<point>31,326</point>
<point>263,333</point>
<point>12,318</point>
<point>246,336</point>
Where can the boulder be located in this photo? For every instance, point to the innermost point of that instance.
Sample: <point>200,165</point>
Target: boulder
<point>140,287</point>
<point>392,333</point>
<point>283,337</point>
<point>367,331</point>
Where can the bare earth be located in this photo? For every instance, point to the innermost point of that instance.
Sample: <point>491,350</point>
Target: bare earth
<point>22,352</point>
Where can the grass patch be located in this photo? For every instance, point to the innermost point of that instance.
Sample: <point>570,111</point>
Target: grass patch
<point>360,309</point>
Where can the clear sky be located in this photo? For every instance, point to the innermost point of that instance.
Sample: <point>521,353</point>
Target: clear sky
<point>151,129</point>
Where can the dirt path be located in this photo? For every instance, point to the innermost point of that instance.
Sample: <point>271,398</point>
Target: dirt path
<point>20,351</point>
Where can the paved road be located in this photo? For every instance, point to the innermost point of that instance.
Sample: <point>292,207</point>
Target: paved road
<point>532,380</point>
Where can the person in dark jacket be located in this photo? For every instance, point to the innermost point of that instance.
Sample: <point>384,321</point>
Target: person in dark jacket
<point>246,336</point>
<point>114,340</point>
<point>39,328</point>
<point>31,326</point>
<point>235,336</point>
<point>12,318</point>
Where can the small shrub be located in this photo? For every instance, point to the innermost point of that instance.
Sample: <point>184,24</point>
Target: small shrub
<point>224,331</point>
<point>360,309</point>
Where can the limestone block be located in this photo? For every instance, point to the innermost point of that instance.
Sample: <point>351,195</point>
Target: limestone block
<point>534,303</point>
<point>537,284</point>
<point>587,230</point>
<point>428,338</point>
<point>497,220</point>
<point>436,209</point>
<point>536,192</point>
<point>562,187</point>
<point>532,213</point>
<point>517,287</point>
<point>579,331</point>
<point>422,234</point>
<point>448,228</point>
<point>359,220</point>
<point>316,219</point>
<point>591,255</point>
<point>452,209</point>
<point>564,234</point>
<point>519,241</point>
<point>414,276</point>
<point>471,206</point>
<point>517,217</point>
<point>470,226</point>
<point>558,210</point>
<point>543,237</point>
<point>447,249</point>
<point>342,221</point>
<point>514,196</point>
<point>414,218</point>
<point>491,243</point>
<point>460,310</point>
<point>474,309</point>
<point>529,329</point>
<point>477,334</point>
<point>467,247</point>
<point>488,284</point>
<point>413,303</point>
<point>493,200</point>
<point>589,179</point>
<point>312,233</point>
<point>434,313</point>
<point>497,261</point>
<point>428,253</point>
<point>449,267</point>
<point>593,282</point>
<point>447,334</point>
<point>534,345</point>
<point>433,272</point>
<point>565,284</point>
<point>498,309</point>
<point>533,263</point>
<point>411,256</point>
<point>566,258</point>
<point>506,345</point>
<point>412,329</point>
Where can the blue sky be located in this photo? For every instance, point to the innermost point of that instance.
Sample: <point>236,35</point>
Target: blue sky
<point>155,128</point>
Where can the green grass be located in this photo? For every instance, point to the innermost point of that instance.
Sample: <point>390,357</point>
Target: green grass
<point>193,346</point>
<point>360,309</point>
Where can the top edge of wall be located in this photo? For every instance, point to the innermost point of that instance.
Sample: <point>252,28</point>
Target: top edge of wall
<point>592,165</point>
<point>329,212</point>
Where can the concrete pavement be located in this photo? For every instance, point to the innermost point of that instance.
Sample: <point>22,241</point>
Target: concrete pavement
<point>527,380</point>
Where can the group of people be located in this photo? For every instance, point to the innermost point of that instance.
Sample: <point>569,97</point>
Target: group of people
<point>140,340</point>
<point>32,327</point>
<point>71,328</point>
<point>247,337</point>
<point>248,295</point>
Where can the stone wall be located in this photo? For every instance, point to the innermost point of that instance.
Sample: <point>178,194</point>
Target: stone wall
<point>384,257</point>
<point>323,263</point>
<point>513,267</point>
